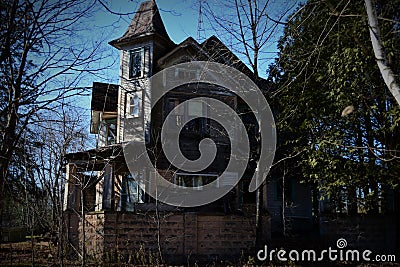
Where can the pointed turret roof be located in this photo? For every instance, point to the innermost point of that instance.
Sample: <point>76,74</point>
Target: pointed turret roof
<point>147,21</point>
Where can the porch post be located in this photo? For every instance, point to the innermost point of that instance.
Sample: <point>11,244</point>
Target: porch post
<point>108,187</point>
<point>71,191</point>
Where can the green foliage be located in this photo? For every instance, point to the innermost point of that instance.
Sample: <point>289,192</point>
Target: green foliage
<point>326,64</point>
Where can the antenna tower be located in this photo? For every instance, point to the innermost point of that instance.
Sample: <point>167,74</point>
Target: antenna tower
<point>200,24</point>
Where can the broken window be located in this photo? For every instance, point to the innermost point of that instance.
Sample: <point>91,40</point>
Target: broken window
<point>136,63</point>
<point>194,112</point>
<point>176,112</point>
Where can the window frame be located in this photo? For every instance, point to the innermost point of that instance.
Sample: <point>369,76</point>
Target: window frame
<point>131,107</point>
<point>129,199</point>
<point>202,175</point>
<point>183,114</point>
<point>132,53</point>
<point>182,73</point>
<point>105,131</point>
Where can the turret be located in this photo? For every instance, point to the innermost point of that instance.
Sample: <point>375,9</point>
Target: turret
<point>143,43</point>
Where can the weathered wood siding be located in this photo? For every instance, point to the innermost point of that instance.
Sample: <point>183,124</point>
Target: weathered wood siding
<point>133,128</point>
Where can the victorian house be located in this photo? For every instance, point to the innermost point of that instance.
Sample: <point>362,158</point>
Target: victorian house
<point>108,214</point>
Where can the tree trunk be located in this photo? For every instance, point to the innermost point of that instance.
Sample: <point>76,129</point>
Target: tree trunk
<point>386,71</point>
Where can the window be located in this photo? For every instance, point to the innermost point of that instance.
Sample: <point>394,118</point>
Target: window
<point>136,63</point>
<point>194,180</point>
<point>194,110</point>
<point>191,111</point>
<point>178,113</point>
<point>131,192</point>
<point>108,132</point>
<point>111,132</point>
<point>134,106</point>
<point>188,74</point>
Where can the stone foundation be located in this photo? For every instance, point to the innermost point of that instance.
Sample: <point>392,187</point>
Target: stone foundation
<point>179,236</point>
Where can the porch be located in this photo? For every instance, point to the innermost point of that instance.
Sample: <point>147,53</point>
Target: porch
<point>110,219</point>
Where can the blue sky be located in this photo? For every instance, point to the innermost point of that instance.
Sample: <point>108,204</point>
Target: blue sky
<point>180,19</point>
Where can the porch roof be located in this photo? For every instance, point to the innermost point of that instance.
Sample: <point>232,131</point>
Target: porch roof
<point>95,159</point>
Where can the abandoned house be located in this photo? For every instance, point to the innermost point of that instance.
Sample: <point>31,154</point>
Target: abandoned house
<point>119,217</point>
<point>108,213</point>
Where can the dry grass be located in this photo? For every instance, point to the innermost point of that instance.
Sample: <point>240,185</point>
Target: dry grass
<point>20,254</point>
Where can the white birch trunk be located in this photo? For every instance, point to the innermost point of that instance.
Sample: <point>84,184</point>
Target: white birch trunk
<point>386,71</point>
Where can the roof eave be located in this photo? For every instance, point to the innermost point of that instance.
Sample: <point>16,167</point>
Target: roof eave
<point>119,43</point>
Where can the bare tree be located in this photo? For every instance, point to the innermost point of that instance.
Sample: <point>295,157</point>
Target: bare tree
<point>43,60</point>
<point>250,28</point>
<point>63,131</point>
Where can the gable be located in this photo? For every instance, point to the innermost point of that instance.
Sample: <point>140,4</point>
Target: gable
<point>188,50</point>
<point>211,49</point>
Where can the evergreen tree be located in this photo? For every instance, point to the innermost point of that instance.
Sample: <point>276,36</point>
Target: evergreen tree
<point>337,121</point>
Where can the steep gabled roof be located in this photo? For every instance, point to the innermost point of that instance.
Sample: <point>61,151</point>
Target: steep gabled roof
<point>185,44</point>
<point>213,49</point>
<point>147,21</point>
<point>221,53</point>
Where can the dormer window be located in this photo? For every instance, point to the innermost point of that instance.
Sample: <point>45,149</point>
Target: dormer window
<point>136,63</point>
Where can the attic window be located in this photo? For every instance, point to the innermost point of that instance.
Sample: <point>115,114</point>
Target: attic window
<point>136,63</point>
